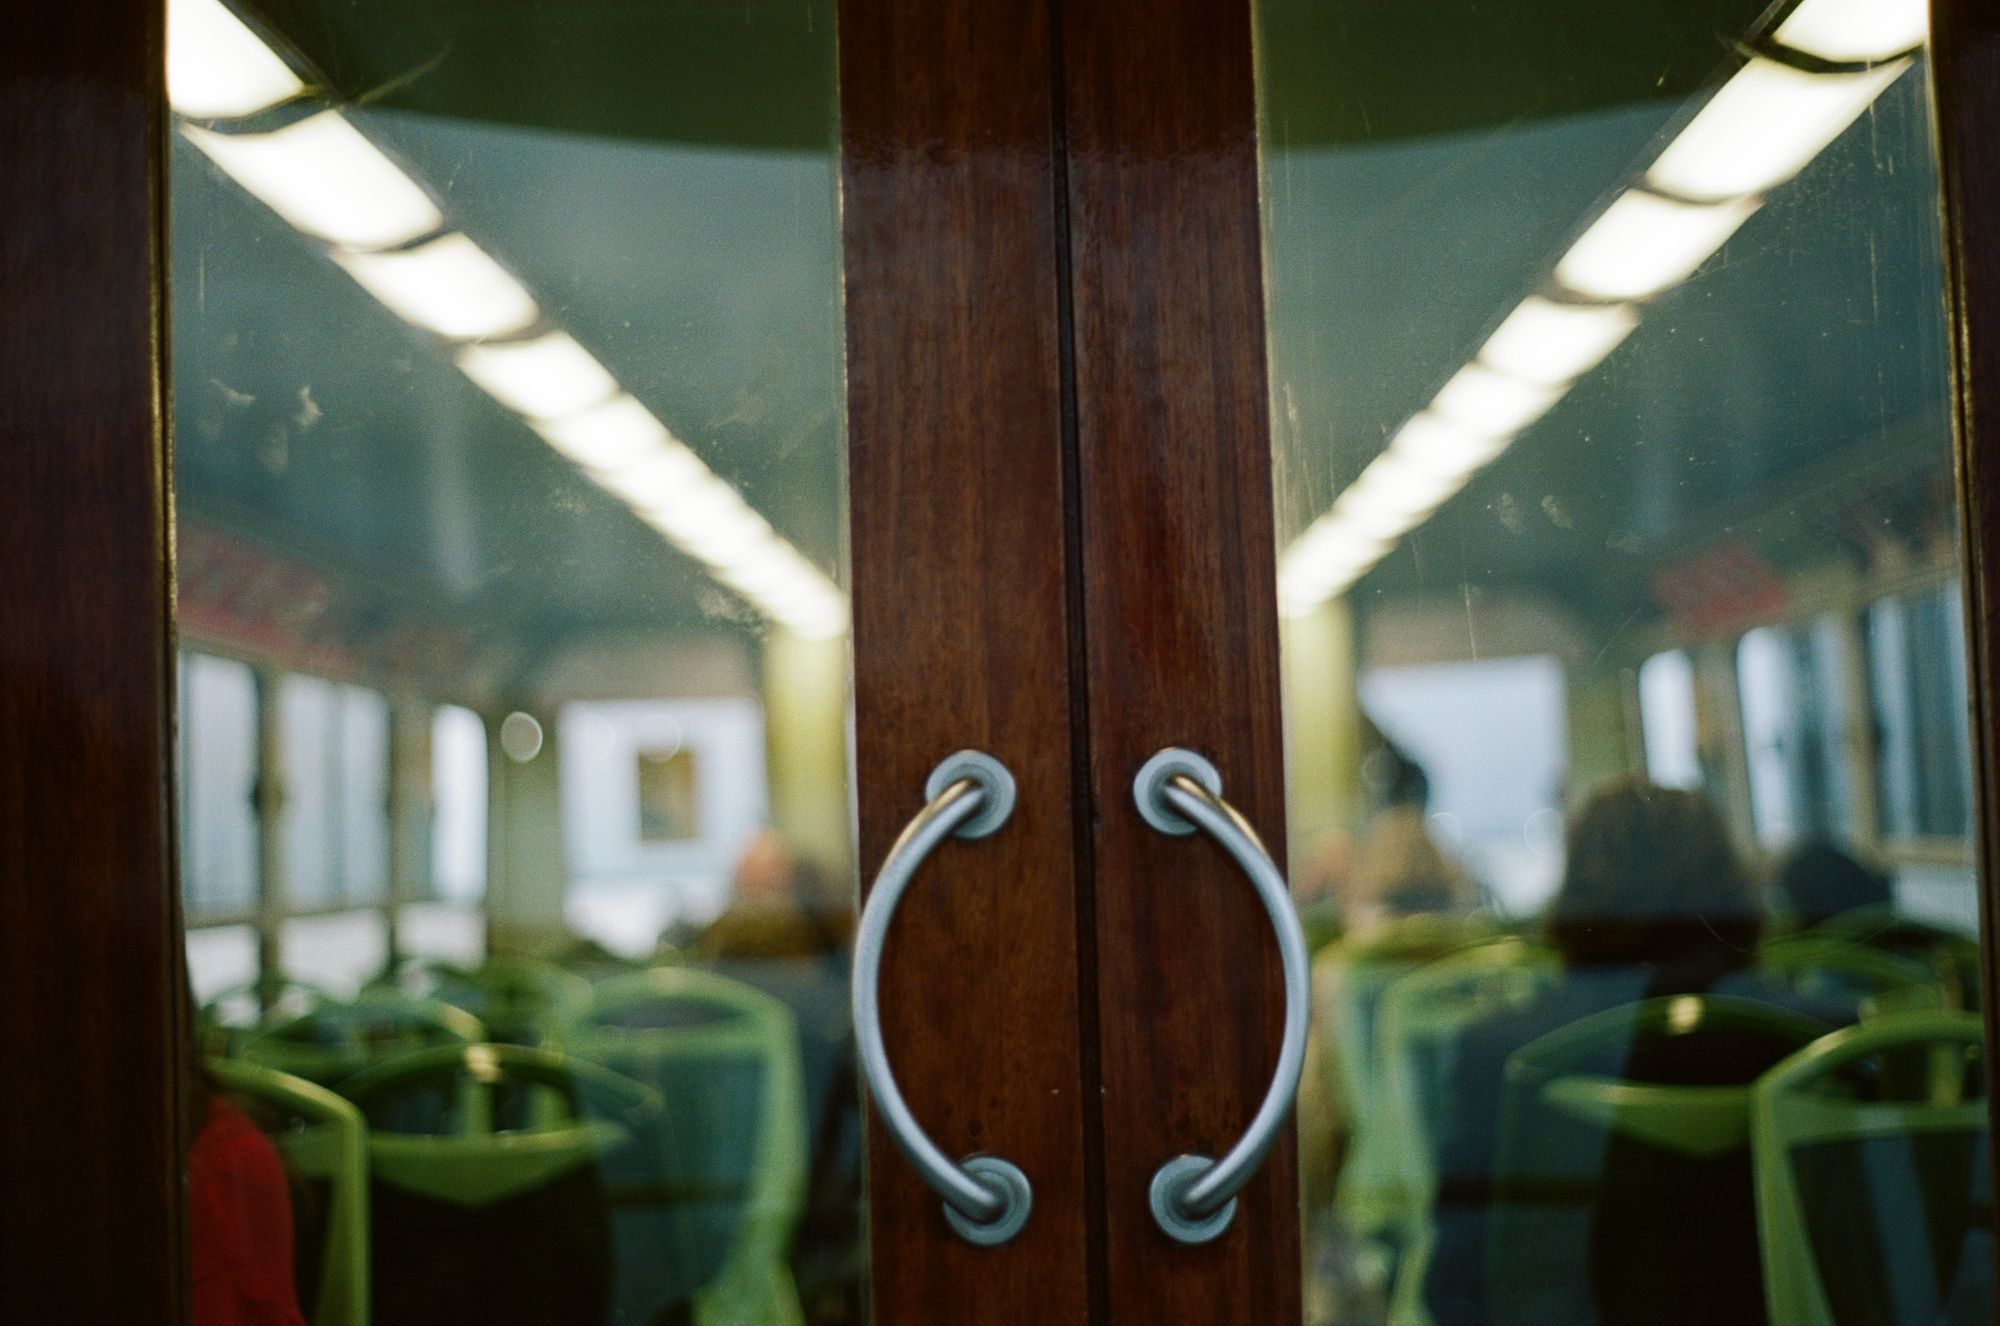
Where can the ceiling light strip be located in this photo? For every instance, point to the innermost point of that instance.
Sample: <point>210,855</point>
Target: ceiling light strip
<point>1758,131</point>
<point>330,182</point>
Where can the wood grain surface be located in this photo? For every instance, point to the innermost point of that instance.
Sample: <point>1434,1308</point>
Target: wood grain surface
<point>960,635</point>
<point>90,1163</point>
<point>1181,630</point>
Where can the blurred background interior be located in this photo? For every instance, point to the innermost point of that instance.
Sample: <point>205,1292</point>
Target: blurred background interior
<point>1626,695</point>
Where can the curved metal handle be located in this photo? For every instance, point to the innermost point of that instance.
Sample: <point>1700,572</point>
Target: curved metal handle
<point>1178,792</point>
<point>970,795</point>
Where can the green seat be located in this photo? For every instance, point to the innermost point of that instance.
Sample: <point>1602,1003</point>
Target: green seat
<point>707,1198</point>
<point>336,1039</point>
<point>1823,969</point>
<point>1952,956</point>
<point>1874,1197</point>
<point>520,1000</point>
<point>1349,980</point>
<point>322,1140</point>
<point>1622,1189</point>
<point>485,1166</point>
<point>233,1015</point>
<point>1422,1015</point>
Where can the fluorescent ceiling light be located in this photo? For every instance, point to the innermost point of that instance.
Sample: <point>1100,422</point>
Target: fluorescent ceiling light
<point>1763,127</point>
<point>325,178</point>
<point>1543,341</point>
<point>448,286</point>
<point>1436,445</point>
<point>672,486</point>
<point>217,68</point>
<point>1329,557</point>
<point>1644,243</point>
<point>1855,31</point>
<point>1394,493</point>
<point>615,435</point>
<point>1491,403</point>
<point>545,378</point>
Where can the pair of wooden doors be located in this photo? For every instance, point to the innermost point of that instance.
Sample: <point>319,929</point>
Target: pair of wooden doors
<point>1061,552</point>
<point>1062,555</point>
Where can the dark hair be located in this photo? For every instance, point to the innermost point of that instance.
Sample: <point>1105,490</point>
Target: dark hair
<point>1817,881</point>
<point>1651,878</point>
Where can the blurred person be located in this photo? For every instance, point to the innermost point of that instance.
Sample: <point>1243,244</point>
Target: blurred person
<point>239,1205</point>
<point>1816,882</point>
<point>1654,901</point>
<point>778,908</point>
<point>1397,883</point>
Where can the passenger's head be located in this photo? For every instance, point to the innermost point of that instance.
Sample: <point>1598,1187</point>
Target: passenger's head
<point>1817,881</point>
<point>1651,877</point>
<point>1399,871</point>
<point>767,872</point>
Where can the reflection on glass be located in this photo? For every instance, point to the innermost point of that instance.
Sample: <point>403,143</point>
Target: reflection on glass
<point>1625,677</point>
<point>508,386</point>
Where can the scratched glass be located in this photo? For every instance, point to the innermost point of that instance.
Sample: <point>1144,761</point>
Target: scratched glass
<point>1625,666</point>
<point>507,402</point>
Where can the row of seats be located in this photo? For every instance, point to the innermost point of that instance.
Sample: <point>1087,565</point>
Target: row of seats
<point>1582,1102</point>
<point>643,1153</point>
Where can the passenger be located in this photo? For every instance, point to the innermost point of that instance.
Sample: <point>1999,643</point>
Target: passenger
<point>1817,881</point>
<point>1397,878</point>
<point>1653,902</point>
<point>777,909</point>
<point>239,1213</point>
<point>787,933</point>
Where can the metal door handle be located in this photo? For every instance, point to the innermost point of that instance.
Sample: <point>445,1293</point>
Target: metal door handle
<point>970,795</point>
<point>1177,791</point>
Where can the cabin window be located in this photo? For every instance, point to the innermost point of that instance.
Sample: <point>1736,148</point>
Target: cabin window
<point>217,747</point>
<point>1917,686</point>
<point>1792,686</point>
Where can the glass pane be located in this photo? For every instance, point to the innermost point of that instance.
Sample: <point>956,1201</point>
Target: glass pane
<point>507,345</point>
<point>1620,571</point>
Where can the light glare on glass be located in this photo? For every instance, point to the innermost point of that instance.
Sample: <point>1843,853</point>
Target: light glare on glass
<point>1494,404</point>
<point>217,68</point>
<point>1434,443</point>
<point>1543,341</point>
<point>1644,243</point>
<point>617,435</point>
<point>1855,31</point>
<point>1763,127</point>
<point>545,378</point>
<point>449,286</point>
<point>326,179</point>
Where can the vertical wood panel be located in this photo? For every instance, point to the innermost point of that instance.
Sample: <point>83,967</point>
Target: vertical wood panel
<point>1181,628</point>
<point>956,492</point>
<point>1965,81</point>
<point>89,1160</point>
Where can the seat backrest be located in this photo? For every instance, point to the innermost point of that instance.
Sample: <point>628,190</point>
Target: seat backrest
<point>1874,1201</point>
<point>486,1164</point>
<point>1350,978</point>
<point>1823,970</point>
<point>1624,1161</point>
<point>332,1041</point>
<point>1954,957</point>
<point>323,1142</point>
<point>518,999</point>
<point>1422,1016</point>
<point>709,1193</point>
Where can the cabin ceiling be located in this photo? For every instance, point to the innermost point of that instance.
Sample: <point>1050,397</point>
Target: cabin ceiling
<point>663,178</point>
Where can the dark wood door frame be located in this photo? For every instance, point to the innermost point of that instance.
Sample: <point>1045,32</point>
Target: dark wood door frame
<point>1965,87</point>
<point>956,492</point>
<point>1013,176</point>
<point>1180,593</point>
<point>90,1158</point>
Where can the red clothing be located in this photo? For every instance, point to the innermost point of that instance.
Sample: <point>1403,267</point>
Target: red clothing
<point>239,1225</point>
